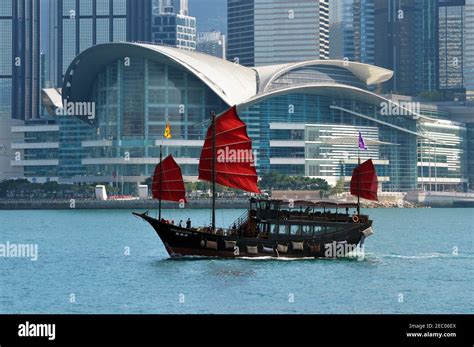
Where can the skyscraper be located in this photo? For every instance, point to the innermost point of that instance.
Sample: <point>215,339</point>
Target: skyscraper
<point>406,41</point>
<point>469,48</point>
<point>77,25</point>
<point>213,43</point>
<point>73,27</point>
<point>352,30</point>
<point>19,59</point>
<point>171,24</point>
<point>241,31</point>
<point>263,32</point>
<point>451,49</point>
<point>139,20</point>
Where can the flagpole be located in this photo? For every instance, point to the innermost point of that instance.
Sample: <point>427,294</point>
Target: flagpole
<point>213,171</point>
<point>358,183</point>
<point>160,183</point>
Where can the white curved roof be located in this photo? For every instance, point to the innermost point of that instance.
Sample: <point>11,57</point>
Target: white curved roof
<point>234,84</point>
<point>333,90</point>
<point>369,74</point>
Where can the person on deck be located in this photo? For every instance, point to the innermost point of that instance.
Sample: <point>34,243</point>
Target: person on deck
<point>188,223</point>
<point>180,223</point>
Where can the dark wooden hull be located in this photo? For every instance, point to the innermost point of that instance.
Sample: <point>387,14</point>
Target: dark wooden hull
<point>181,242</point>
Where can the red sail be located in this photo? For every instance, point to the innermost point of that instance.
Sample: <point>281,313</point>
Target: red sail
<point>364,182</point>
<point>172,184</point>
<point>234,157</point>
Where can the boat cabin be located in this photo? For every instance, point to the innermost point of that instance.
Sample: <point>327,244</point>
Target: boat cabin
<point>280,219</point>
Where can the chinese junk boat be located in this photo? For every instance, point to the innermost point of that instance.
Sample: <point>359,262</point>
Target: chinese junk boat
<point>270,228</point>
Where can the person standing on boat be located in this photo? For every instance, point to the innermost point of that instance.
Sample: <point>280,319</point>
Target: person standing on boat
<point>180,223</point>
<point>188,223</point>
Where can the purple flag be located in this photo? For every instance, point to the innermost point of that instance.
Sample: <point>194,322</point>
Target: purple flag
<point>362,143</point>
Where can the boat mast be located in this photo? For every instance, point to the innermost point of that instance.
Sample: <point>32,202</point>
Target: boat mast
<point>358,184</point>
<point>213,170</point>
<point>160,183</point>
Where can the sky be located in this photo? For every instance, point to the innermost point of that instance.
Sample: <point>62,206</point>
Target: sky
<point>210,14</point>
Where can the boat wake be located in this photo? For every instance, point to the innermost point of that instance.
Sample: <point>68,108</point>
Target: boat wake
<point>275,258</point>
<point>421,256</point>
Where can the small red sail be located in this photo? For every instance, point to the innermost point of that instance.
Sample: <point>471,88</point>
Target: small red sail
<point>172,184</point>
<point>364,182</point>
<point>234,156</point>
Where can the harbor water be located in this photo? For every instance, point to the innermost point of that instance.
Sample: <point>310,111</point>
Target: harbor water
<point>108,261</point>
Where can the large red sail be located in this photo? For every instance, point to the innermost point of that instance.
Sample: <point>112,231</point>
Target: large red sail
<point>364,182</point>
<point>234,157</point>
<point>172,184</point>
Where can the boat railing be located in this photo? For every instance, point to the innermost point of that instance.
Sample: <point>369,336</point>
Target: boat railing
<point>240,221</point>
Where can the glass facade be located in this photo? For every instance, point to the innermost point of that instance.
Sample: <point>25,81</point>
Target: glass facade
<point>352,30</point>
<point>470,153</point>
<point>19,59</point>
<point>241,32</point>
<point>407,42</point>
<point>451,48</point>
<point>175,30</point>
<point>265,32</point>
<point>6,24</point>
<point>212,43</point>
<point>469,47</point>
<point>290,128</point>
<point>133,106</point>
<point>80,25</point>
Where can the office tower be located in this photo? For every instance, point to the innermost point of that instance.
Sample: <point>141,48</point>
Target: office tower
<point>139,20</point>
<point>469,48</point>
<point>352,30</point>
<point>264,32</point>
<point>212,43</point>
<point>77,25</point>
<point>241,31</point>
<point>451,49</point>
<point>171,24</point>
<point>406,41</point>
<point>19,59</point>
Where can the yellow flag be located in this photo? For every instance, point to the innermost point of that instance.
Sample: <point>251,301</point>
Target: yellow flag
<point>168,131</point>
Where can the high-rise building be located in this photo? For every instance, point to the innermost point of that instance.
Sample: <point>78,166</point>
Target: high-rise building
<point>19,59</point>
<point>171,24</point>
<point>451,49</point>
<point>264,32</point>
<point>139,20</point>
<point>241,31</point>
<point>469,48</point>
<point>213,43</point>
<point>352,30</point>
<point>73,27</point>
<point>77,25</point>
<point>406,41</point>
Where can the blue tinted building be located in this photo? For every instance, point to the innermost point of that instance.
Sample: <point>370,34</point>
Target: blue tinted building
<point>262,32</point>
<point>19,59</point>
<point>407,42</point>
<point>296,113</point>
<point>352,30</point>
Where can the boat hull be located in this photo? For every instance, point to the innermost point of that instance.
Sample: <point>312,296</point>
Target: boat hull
<point>182,242</point>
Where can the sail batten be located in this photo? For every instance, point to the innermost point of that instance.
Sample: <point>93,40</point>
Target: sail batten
<point>364,182</point>
<point>234,160</point>
<point>168,184</point>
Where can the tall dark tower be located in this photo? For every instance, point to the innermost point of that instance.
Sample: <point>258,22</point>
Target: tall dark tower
<point>20,59</point>
<point>139,20</point>
<point>406,41</point>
